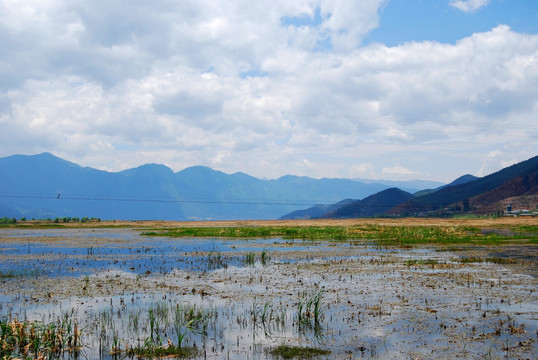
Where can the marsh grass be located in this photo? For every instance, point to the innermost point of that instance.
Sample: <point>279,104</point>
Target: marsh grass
<point>8,274</point>
<point>250,259</point>
<point>215,260</point>
<point>418,262</point>
<point>12,274</point>
<point>150,351</point>
<point>499,260</point>
<point>310,310</point>
<point>34,339</point>
<point>264,257</point>
<point>292,352</point>
<point>381,234</point>
<point>470,260</point>
<point>164,321</point>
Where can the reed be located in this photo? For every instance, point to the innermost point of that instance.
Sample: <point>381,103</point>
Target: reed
<point>37,339</point>
<point>250,258</point>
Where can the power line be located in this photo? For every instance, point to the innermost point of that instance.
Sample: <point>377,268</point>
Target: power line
<point>224,202</point>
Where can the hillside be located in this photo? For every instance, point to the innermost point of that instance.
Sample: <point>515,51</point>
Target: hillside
<point>371,206</point>
<point>516,185</point>
<point>521,192</point>
<point>31,184</point>
<point>316,211</point>
<point>461,180</point>
<point>476,195</point>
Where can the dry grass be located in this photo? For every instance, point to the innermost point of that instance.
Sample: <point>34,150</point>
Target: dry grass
<point>480,222</point>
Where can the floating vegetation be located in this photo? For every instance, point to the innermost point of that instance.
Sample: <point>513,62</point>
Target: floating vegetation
<point>501,260</point>
<point>469,260</point>
<point>150,350</point>
<point>292,352</point>
<point>11,274</point>
<point>418,262</point>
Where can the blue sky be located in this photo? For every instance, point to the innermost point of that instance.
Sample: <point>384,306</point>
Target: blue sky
<point>436,20</point>
<point>377,89</point>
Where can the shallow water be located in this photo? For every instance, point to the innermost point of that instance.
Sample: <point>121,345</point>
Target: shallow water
<point>374,306</point>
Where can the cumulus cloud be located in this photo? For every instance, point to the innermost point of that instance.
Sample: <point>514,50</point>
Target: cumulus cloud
<point>469,5</point>
<point>236,87</point>
<point>399,170</point>
<point>365,171</point>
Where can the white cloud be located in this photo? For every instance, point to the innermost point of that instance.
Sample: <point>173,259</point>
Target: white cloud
<point>399,170</point>
<point>469,6</point>
<point>164,82</point>
<point>365,171</point>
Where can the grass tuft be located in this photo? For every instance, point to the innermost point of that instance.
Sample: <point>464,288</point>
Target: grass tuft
<point>292,352</point>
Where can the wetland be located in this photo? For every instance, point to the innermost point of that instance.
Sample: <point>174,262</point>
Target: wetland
<point>325,290</point>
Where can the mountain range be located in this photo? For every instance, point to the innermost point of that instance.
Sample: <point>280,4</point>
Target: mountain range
<point>516,185</point>
<point>45,186</point>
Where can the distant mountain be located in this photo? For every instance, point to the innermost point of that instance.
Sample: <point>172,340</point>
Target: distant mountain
<point>371,206</point>
<point>461,180</point>
<point>516,180</point>
<point>411,186</point>
<point>315,211</point>
<point>45,186</point>
<point>517,185</point>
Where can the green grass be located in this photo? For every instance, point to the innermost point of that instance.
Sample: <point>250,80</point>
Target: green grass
<point>288,232</point>
<point>160,352</point>
<point>415,262</point>
<point>526,228</point>
<point>8,275</point>
<point>292,352</point>
<point>11,274</point>
<point>250,258</point>
<point>381,234</point>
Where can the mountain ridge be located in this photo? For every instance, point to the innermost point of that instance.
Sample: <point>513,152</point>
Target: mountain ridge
<point>490,194</point>
<point>458,195</point>
<point>31,184</point>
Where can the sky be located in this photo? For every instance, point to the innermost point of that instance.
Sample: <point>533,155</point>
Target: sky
<point>370,89</point>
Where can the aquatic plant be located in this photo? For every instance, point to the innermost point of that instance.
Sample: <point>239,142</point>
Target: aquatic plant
<point>148,350</point>
<point>216,261</point>
<point>382,234</point>
<point>470,259</point>
<point>264,257</point>
<point>250,258</point>
<point>188,320</point>
<point>8,275</point>
<point>37,339</point>
<point>267,312</point>
<point>416,262</point>
<point>500,260</point>
<point>310,308</point>
<point>291,352</point>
